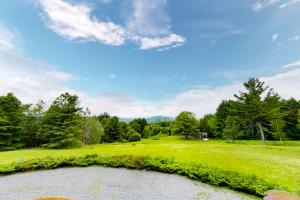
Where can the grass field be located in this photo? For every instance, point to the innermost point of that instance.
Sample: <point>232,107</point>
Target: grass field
<point>275,162</point>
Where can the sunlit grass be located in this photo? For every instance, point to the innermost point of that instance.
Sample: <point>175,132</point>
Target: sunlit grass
<point>276,162</point>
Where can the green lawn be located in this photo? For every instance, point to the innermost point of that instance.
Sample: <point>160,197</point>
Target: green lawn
<point>275,162</point>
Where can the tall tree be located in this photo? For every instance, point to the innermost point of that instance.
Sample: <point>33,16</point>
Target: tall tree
<point>32,124</point>
<point>208,124</point>
<point>112,130</point>
<point>254,107</point>
<point>291,107</point>
<point>61,122</point>
<point>298,120</point>
<point>232,128</point>
<point>186,123</point>
<point>11,113</point>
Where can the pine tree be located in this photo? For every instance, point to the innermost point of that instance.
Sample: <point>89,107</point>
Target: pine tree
<point>112,130</point>
<point>61,122</point>
<point>254,108</point>
<point>11,112</point>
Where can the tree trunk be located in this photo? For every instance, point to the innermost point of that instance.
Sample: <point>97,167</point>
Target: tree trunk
<point>261,133</point>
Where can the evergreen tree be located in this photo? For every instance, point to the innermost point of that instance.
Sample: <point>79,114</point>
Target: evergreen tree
<point>254,108</point>
<point>112,130</point>
<point>61,122</point>
<point>11,112</point>
<point>32,124</point>
<point>290,108</point>
<point>232,128</point>
<point>208,125</point>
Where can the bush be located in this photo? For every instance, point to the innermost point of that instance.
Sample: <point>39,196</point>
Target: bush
<point>134,137</point>
<point>241,182</point>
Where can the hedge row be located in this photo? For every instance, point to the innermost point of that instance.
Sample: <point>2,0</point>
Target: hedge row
<point>249,184</point>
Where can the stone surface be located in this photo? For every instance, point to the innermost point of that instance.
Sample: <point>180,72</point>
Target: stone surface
<point>97,183</point>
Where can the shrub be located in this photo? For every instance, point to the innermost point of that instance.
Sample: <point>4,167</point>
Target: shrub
<point>241,182</point>
<point>134,137</point>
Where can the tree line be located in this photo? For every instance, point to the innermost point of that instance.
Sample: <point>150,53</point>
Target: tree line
<point>256,113</point>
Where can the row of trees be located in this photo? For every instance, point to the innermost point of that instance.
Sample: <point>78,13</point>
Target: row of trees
<point>258,112</point>
<point>65,124</point>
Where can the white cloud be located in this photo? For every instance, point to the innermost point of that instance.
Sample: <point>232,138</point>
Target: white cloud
<point>169,41</point>
<point>75,21</point>
<point>148,26</point>
<point>289,3</point>
<point>7,38</point>
<point>148,18</point>
<point>32,80</point>
<point>294,64</point>
<point>294,38</point>
<point>275,37</point>
<point>262,4</point>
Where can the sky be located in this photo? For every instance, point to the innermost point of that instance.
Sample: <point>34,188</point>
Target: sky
<point>141,58</point>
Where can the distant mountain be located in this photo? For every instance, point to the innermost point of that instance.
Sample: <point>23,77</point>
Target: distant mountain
<point>154,119</point>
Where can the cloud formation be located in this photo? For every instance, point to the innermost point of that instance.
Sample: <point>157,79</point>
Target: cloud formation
<point>262,4</point>
<point>294,64</point>
<point>32,80</point>
<point>147,26</point>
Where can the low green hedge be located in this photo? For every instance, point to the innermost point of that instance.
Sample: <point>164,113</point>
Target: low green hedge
<point>250,184</point>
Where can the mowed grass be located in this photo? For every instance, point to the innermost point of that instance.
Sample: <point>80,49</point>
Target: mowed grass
<point>275,162</point>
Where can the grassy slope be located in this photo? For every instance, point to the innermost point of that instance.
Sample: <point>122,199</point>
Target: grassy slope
<point>279,164</point>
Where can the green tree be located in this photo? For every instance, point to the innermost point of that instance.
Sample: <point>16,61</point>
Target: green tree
<point>298,119</point>
<point>186,123</point>
<point>103,118</point>
<point>253,107</point>
<point>208,125</point>
<point>277,126</point>
<point>139,125</point>
<point>291,107</point>
<point>11,114</point>
<point>232,128</point>
<point>112,130</point>
<point>32,124</point>
<point>93,131</point>
<point>61,122</point>
<point>223,111</point>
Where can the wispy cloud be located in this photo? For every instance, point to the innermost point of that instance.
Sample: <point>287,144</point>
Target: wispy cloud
<point>275,37</point>
<point>294,64</point>
<point>289,3</point>
<point>295,38</point>
<point>262,4</point>
<point>148,18</point>
<point>7,38</point>
<point>148,26</point>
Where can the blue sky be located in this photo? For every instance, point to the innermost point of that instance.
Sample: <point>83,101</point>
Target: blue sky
<point>143,58</point>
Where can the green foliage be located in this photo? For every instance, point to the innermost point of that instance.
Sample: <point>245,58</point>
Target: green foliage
<point>11,113</point>
<point>298,119</point>
<point>92,130</point>
<point>232,128</point>
<point>215,176</point>
<point>186,124</point>
<point>32,124</point>
<point>103,118</point>
<point>138,125</point>
<point>208,124</point>
<point>134,137</point>
<point>61,123</point>
<point>112,130</point>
